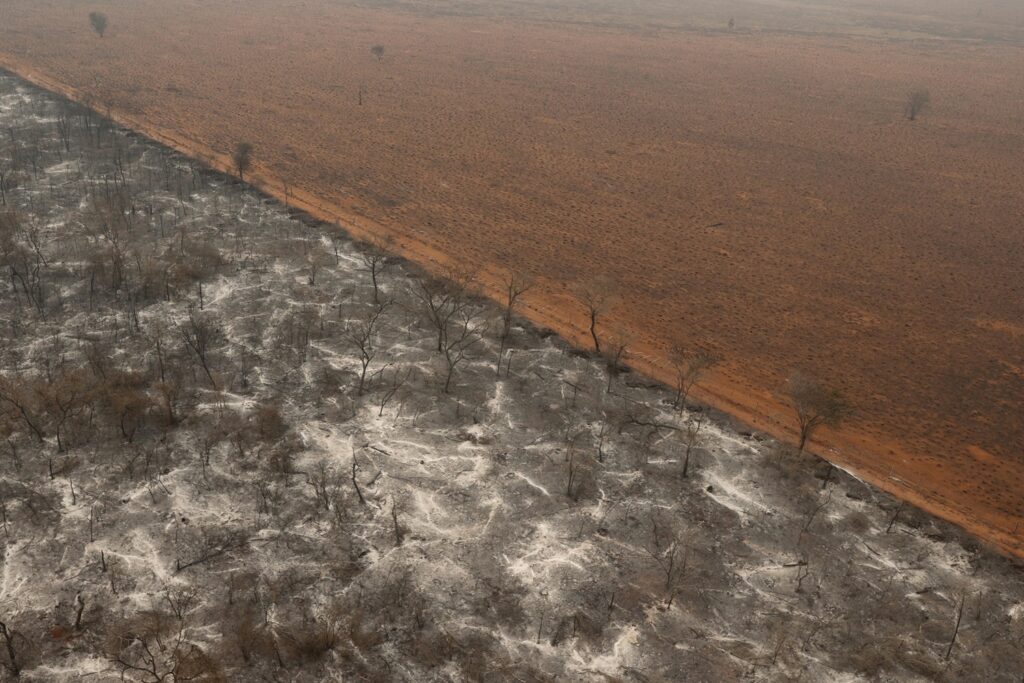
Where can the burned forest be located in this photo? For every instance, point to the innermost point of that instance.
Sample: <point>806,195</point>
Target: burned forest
<point>236,444</point>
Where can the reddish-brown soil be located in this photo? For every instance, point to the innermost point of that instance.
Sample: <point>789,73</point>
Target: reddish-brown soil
<point>758,191</point>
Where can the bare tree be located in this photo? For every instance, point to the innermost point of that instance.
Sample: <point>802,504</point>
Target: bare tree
<point>396,507</point>
<point>692,438</point>
<point>578,465</point>
<point>462,333</point>
<point>392,385</point>
<point>13,665</point>
<point>690,368</point>
<point>317,259</point>
<point>355,480</point>
<point>199,335</point>
<point>79,609</point>
<point>362,337</point>
<point>27,402</point>
<point>596,297</point>
<point>378,52</point>
<point>615,351</point>
<point>515,286</point>
<point>242,159</point>
<point>815,405</point>
<point>669,552</point>
<point>153,648</point>
<point>376,260</point>
<point>5,176</point>
<point>917,100</point>
<point>956,627</point>
<point>444,299</point>
<point>98,20</point>
<point>64,125</point>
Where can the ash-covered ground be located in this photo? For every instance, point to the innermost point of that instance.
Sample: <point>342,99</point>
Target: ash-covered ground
<point>232,450</point>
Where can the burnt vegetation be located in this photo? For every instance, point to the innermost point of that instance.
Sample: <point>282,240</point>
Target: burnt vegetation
<point>237,445</point>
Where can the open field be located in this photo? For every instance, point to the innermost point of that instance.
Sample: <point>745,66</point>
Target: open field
<point>195,481</point>
<point>757,191</point>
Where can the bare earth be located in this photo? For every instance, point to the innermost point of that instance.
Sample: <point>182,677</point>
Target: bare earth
<point>757,191</point>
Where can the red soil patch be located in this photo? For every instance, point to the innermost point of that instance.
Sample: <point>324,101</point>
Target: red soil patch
<point>756,192</point>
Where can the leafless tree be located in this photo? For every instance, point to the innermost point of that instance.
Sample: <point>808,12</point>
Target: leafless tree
<point>815,405</point>
<point>956,627</point>
<point>692,438</point>
<point>826,500</point>
<point>8,634</point>
<point>5,175</point>
<point>153,648</point>
<point>614,354</point>
<point>515,285</point>
<point>362,337</point>
<point>376,260</point>
<point>27,403</point>
<point>98,20</point>
<point>671,555</point>
<point>242,159</point>
<point>443,300</point>
<point>596,296</point>
<point>377,51</point>
<point>392,385</point>
<point>181,600</point>
<point>64,124</point>
<point>210,544</point>
<point>574,467</point>
<point>917,100</point>
<point>355,480</point>
<point>199,335</point>
<point>79,609</point>
<point>396,507</point>
<point>316,259</point>
<point>690,368</point>
<point>462,332</point>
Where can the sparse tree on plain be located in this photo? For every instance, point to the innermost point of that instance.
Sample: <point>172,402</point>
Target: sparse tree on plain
<point>98,20</point>
<point>596,297</point>
<point>917,100</point>
<point>378,52</point>
<point>515,285</point>
<point>614,354</point>
<point>242,159</point>
<point>815,405</point>
<point>376,260</point>
<point>690,368</point>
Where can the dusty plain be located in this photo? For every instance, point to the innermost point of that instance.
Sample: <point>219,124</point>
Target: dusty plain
<point>757,190</point>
